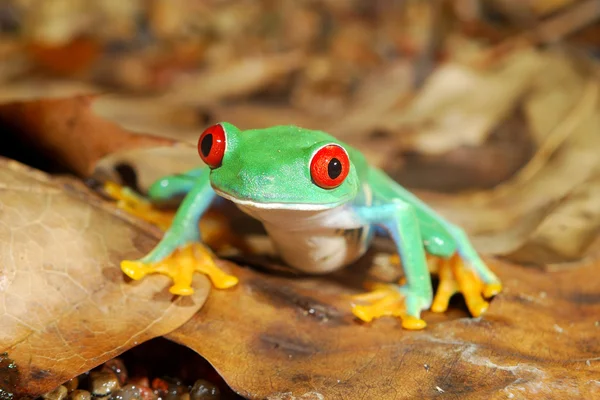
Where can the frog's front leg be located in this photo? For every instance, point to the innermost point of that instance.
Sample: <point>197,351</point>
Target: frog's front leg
<point>408,300</point>
<point>179,254</point>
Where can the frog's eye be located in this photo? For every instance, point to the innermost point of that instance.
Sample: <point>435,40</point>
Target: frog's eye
<point>211,146</point>
<point>329,166</point>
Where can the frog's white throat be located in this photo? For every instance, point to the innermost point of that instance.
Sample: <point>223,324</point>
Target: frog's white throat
<point>309,237</point>
<point>274,205</point>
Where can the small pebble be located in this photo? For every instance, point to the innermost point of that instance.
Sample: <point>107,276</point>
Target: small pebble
<point>117,366</point>
<point>141,381</point>
<point>72,384</point>
<point>59,393</point>
<point>170,389</point>
<point>103,383</point>
<point>127,392</point>
<point>80,395</point>
<point>204,390</point>
<point>148,394</point>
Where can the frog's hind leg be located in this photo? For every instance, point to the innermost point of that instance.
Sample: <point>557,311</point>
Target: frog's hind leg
<point>491,283</point>
<point>455,277</point>
<point>444,239</point>
<point>162,190</point>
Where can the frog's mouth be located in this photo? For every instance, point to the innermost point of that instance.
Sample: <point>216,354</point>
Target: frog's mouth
<point>277,205</point>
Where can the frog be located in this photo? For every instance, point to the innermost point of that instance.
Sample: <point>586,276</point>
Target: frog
<point>321,203</point>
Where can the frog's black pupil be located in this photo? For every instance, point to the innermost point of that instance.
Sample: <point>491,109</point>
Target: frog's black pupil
<point>206,144</point>
<point>334,169</point>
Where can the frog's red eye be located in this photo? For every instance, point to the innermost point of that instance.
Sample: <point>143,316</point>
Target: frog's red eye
<point>329,166</point>
<point>211,146</point>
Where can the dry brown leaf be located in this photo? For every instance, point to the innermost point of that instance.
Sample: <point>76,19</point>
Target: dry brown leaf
<point>36,88</point>
<point>148,164</point>
<point>569,232</point>
<point>507,149</point>
<point>153,116</point>
<point>65,306</point>
<point>68,131</point>
<point>186,123</point>
<point>563,123</point>
<point>278,337</point>
<point>379,94</point>
<point>71,59</point>
<point>459,106</point>
<point>240,78</point>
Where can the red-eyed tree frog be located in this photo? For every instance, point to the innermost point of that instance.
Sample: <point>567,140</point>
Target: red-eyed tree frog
<point>320,202</point>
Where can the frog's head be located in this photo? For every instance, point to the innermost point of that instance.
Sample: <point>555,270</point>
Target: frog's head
<point>283,167</point>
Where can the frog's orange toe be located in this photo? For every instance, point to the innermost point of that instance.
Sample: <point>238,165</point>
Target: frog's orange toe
<point>181,290</point>
<point>492,289</point>
<point>456,278</point>
<point>447,287</point>
<point>412,323</point>
<point>136,270</point>
<point>385,300</point>
<point>362,312</point>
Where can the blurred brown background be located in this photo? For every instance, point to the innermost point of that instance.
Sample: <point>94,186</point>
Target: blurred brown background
<point>431,90</point>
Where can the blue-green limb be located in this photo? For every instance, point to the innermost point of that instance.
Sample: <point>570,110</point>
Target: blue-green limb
<point>416,295</point>
<point>179,254</point>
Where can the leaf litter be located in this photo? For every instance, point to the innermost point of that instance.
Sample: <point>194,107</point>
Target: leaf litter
<point>283,334</point>
<point>65,306</point>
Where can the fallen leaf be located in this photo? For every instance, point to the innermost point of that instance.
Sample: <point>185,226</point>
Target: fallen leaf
<point>69,132</point>
<point>237,79</point>
<point>568,233</point>
<point>459,106</point>
<point>562,124</point>
<point>274,337</point>
<point>466,168</point>
<point>140,168</point>
<point>73,58</point>
<point>65,306</point>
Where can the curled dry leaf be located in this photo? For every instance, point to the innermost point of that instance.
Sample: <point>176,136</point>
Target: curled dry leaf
<point>377,95</point>
<point>140,168</point>
<point>240,78</point>
<point>153,116</point>
<point>34,89</point>
<point>68,131</point>
<point>459,106</point>
<point>65,306</point>
<point>278,336</point>
<point>553,186</point>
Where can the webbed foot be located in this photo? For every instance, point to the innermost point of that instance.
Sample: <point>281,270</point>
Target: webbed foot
<point>180,267</point>
<point>455,277</point>
<point>391,300</point>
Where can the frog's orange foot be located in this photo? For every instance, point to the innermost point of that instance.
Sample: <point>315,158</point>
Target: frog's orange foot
<point>136,205</point>
<point>180,267</point>
<point>456,278</point>
<point>385,300</point>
